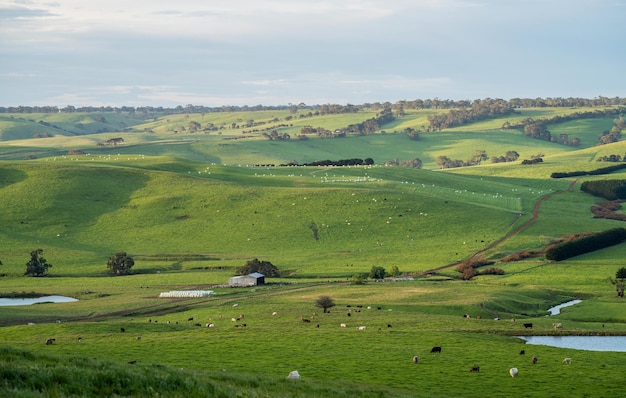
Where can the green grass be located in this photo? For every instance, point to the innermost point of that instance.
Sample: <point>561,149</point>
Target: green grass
<point>191,209</point>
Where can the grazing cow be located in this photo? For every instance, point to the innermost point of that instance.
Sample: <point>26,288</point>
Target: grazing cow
<point>416,359</point>
<point>210,325</point>
<point>138,337</point>
<point>50,341</point>
<point>233,320</point>
<point>306,320</point>
<point>190,319</point>
<point>122,330</point>
<point>475,369</point>
<point>558,325</point>
<point>522,352</point>
<point>435,349</point>
<point>513,372</point>
<point>534,360</point>
<point>80,339</point>
<point>388,325</point>
<point>294,375</point>
<point>235,305</point>
<point>361,327</point>
<point>528,325</point>
<point>467,316</point>
<point>197,324</point>
<point>343,325</point>
<point>132,362</point>
<point>274,313</point>
<point>567,360</point>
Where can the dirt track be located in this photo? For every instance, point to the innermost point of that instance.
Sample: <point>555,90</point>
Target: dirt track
<point>535,216</point>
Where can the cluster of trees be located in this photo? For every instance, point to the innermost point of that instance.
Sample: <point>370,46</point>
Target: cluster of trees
<point>509,156</point>
<point>615,134</point>
<point>376,273</point>
<point>341,162</point>
<point>321,132</point>
<point>412,163</point>
<point>445,162</point>
<point>479,110</point>
<point>610,158</point>
<point>586,244</point>
<point>608,189</point>
<point>371,125</point>
<point>263,267</point>
<point>276,136</point>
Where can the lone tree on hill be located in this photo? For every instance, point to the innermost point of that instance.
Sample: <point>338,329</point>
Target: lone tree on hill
<point>37,266</point>
<point>324,302</point>
<point>264,267</point>
<point>619,281</point>
<point>120,263</point>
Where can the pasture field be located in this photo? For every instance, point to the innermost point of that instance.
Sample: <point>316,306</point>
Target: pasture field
<point>191,208</point>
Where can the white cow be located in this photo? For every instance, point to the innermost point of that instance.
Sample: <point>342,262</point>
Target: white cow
<point>567,360</point>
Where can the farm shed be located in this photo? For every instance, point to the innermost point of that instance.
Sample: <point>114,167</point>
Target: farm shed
<point>254,279</point>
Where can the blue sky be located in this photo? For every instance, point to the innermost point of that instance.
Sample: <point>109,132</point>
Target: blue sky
<point>273,52</point>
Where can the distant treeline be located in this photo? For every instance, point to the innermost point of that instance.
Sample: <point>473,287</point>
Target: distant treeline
<point>479,110</point>
<point>608,189</point>
<point>586,244</point>
<point>398,106</point>
<point>600,171</point>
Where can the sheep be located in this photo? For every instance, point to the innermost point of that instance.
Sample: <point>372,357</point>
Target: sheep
<point>416,359</point>
<point>557,325</point>
<point>274,313</point>
<point>343,325</point>
<point>567,360</point>
<point>50,341</point>
<point>534,360</point>
<point>513,372</point>
<point>361,327</point>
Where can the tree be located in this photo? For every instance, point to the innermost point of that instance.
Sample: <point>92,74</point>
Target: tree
<point>264,267</point>
<point>37,266</point>
<point>120,263</point>
<point>395,271</point>
<point>619,281</point>
<point>377,272</point>
<point>324,302</point>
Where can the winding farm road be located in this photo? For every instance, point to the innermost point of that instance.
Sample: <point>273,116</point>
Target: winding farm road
<point>535,216</point>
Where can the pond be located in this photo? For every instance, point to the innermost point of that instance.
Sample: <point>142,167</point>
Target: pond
<point>588,343</point>
<point>8,302</point>
<point>557,309</point>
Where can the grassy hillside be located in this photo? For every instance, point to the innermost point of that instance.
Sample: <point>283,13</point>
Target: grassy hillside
<point>192,207</point>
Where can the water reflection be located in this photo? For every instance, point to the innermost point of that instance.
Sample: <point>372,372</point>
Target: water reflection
<point>588,343</point>
<point>7,302</point>
<point>557,309</point>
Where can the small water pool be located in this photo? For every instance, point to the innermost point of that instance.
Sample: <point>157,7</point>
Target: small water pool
<point>9,302</point>
<point>588,343</point>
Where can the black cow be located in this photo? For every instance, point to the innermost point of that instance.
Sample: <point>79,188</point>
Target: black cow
<point>435,349</point>
<point>528,325</point>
